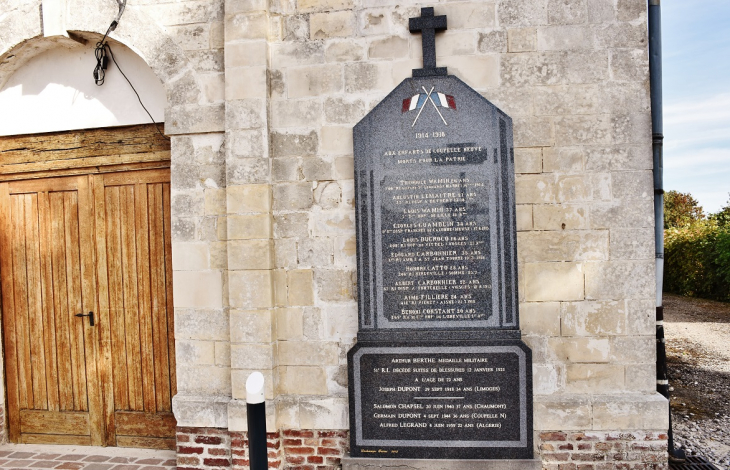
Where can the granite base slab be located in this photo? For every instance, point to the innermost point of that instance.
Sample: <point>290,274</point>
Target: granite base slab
<point>360,463</point>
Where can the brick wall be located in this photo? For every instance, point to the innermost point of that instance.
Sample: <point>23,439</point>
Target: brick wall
<point>214,448</point>
<point>603,450</point>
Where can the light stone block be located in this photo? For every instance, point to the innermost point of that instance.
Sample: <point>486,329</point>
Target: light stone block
<point>315,252</point>
<point>524,217</point>
<point>287,412</point>
<point>200,411</point>
<point>535,189</point>
<point>492,41</point>
<point>591,318</point>
<point>560,217</point>
<point>641,377</point>
<point>540,318</point>
<point>215,201</point>
<point>191,37</point>
<point>250,226</point>
<point>245,143</point>
<point>300,287</point>
<point>452,43</point>
<point>547,378</point>
<point>323,413</point>
<point>194,352</point>
<point>344,50</point>
<point>292,196</point>
<point>248,113</point>
<point>477,71</point>
<point>630,412</point>
<point>633,184</point>
<point>561,412</point>
<point>212,87</point>
<point>562,12</point>
<point>528,160</point>
<point>251,326</point>
<point>190,119</point>
<point>291,225</point>
<point>201,325</point>
<point>285,250</point>
<point>246,54</point>
<point>204,380</point>
<point>563,160</point>
<point>278,277</point>
<point>198,289</point>
<point>392,47</point>
<point>251,254</point>
<point>250,289</point>
<point>634,349</point>
<point>594,378</point>
<point>307,353</point>
<point>289,324</point>
<point>241,26</point>
<point>592,350</point>
<point>566,245</point>
<point>564,38</point>
<point>252,356</point>
<point>294,144</point>
<point>223,354</point>
<point>554,281</point>
<point>641,316</point>
<point>331,24</point>
<point>335,285</point>
<point>623,214</point>
<point>336,140</point>
<point>620,279</point>
<point>522,40</point>
<point>294,53</point>
<point>469,15</point>
<point>534,131</point>
<point>300,113</point>
<point>340,322</point>
<point>323,5</point>
<point>327,194</point>
<point>601,11</point>
<point>632,244</point>
<point>522,13</point>
<point>248,198</point>
<point>374,21</point>
<point>314,80</point>
<point>302,380</point>
<point>345,250</point>
<point>332,223</point>
<point>246,82</point>
<point>190,256</point>
<point>365,77</point>
<point>532,68</point>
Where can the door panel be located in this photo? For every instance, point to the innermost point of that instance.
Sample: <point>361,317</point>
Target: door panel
<point>46,280</point>
<point>72,245</point>
<point>134,263</point>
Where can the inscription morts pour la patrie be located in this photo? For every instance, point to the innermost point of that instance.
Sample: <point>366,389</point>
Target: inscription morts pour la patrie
<point>439,370</point>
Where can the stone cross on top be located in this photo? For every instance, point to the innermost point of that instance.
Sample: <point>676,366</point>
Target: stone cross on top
<point>428,24</point>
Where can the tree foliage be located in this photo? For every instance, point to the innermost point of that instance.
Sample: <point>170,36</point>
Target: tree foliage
<point>681,210</point>
<point>722,217</point>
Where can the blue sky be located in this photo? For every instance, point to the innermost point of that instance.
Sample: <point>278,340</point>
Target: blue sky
<point>696,60</point>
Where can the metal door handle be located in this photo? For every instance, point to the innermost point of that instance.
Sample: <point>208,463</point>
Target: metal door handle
<point>90,315</point>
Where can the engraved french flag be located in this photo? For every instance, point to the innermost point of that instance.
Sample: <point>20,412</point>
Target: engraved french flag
<point>417,101</point>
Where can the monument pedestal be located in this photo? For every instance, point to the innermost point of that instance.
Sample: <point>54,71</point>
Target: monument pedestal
<point>355,463</point>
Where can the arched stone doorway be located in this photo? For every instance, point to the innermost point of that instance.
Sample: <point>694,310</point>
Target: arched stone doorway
<point>86,227</point>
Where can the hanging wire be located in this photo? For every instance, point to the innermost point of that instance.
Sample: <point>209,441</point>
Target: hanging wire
<point>103,50</point>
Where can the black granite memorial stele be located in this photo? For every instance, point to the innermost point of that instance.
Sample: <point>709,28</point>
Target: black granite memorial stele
<point>439,370</point>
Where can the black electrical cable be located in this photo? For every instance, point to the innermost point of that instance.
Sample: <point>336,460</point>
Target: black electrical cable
<point>101,50</point>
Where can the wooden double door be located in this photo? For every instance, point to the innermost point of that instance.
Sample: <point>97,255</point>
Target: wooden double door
<point>87,312</point>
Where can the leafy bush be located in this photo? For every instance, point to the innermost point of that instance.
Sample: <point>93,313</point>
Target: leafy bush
<point>697,260</point>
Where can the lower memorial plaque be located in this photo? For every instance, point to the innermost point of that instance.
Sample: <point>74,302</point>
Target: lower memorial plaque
<point>441,400</point>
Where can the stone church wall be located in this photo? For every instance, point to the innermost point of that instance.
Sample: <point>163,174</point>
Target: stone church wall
<point>262,98</point>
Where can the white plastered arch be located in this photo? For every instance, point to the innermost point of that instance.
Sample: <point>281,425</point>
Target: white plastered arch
<point>21,40</point>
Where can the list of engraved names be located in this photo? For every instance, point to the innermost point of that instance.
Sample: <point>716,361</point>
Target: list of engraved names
<point>442,396</point>
<point>435,234</point>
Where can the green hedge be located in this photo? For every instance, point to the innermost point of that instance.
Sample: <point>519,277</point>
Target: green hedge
<point>697,260</point>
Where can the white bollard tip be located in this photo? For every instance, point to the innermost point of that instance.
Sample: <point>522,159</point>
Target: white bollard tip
<point>255,388</point>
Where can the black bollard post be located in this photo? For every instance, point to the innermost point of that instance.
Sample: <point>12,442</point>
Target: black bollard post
<point>256,417</point>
